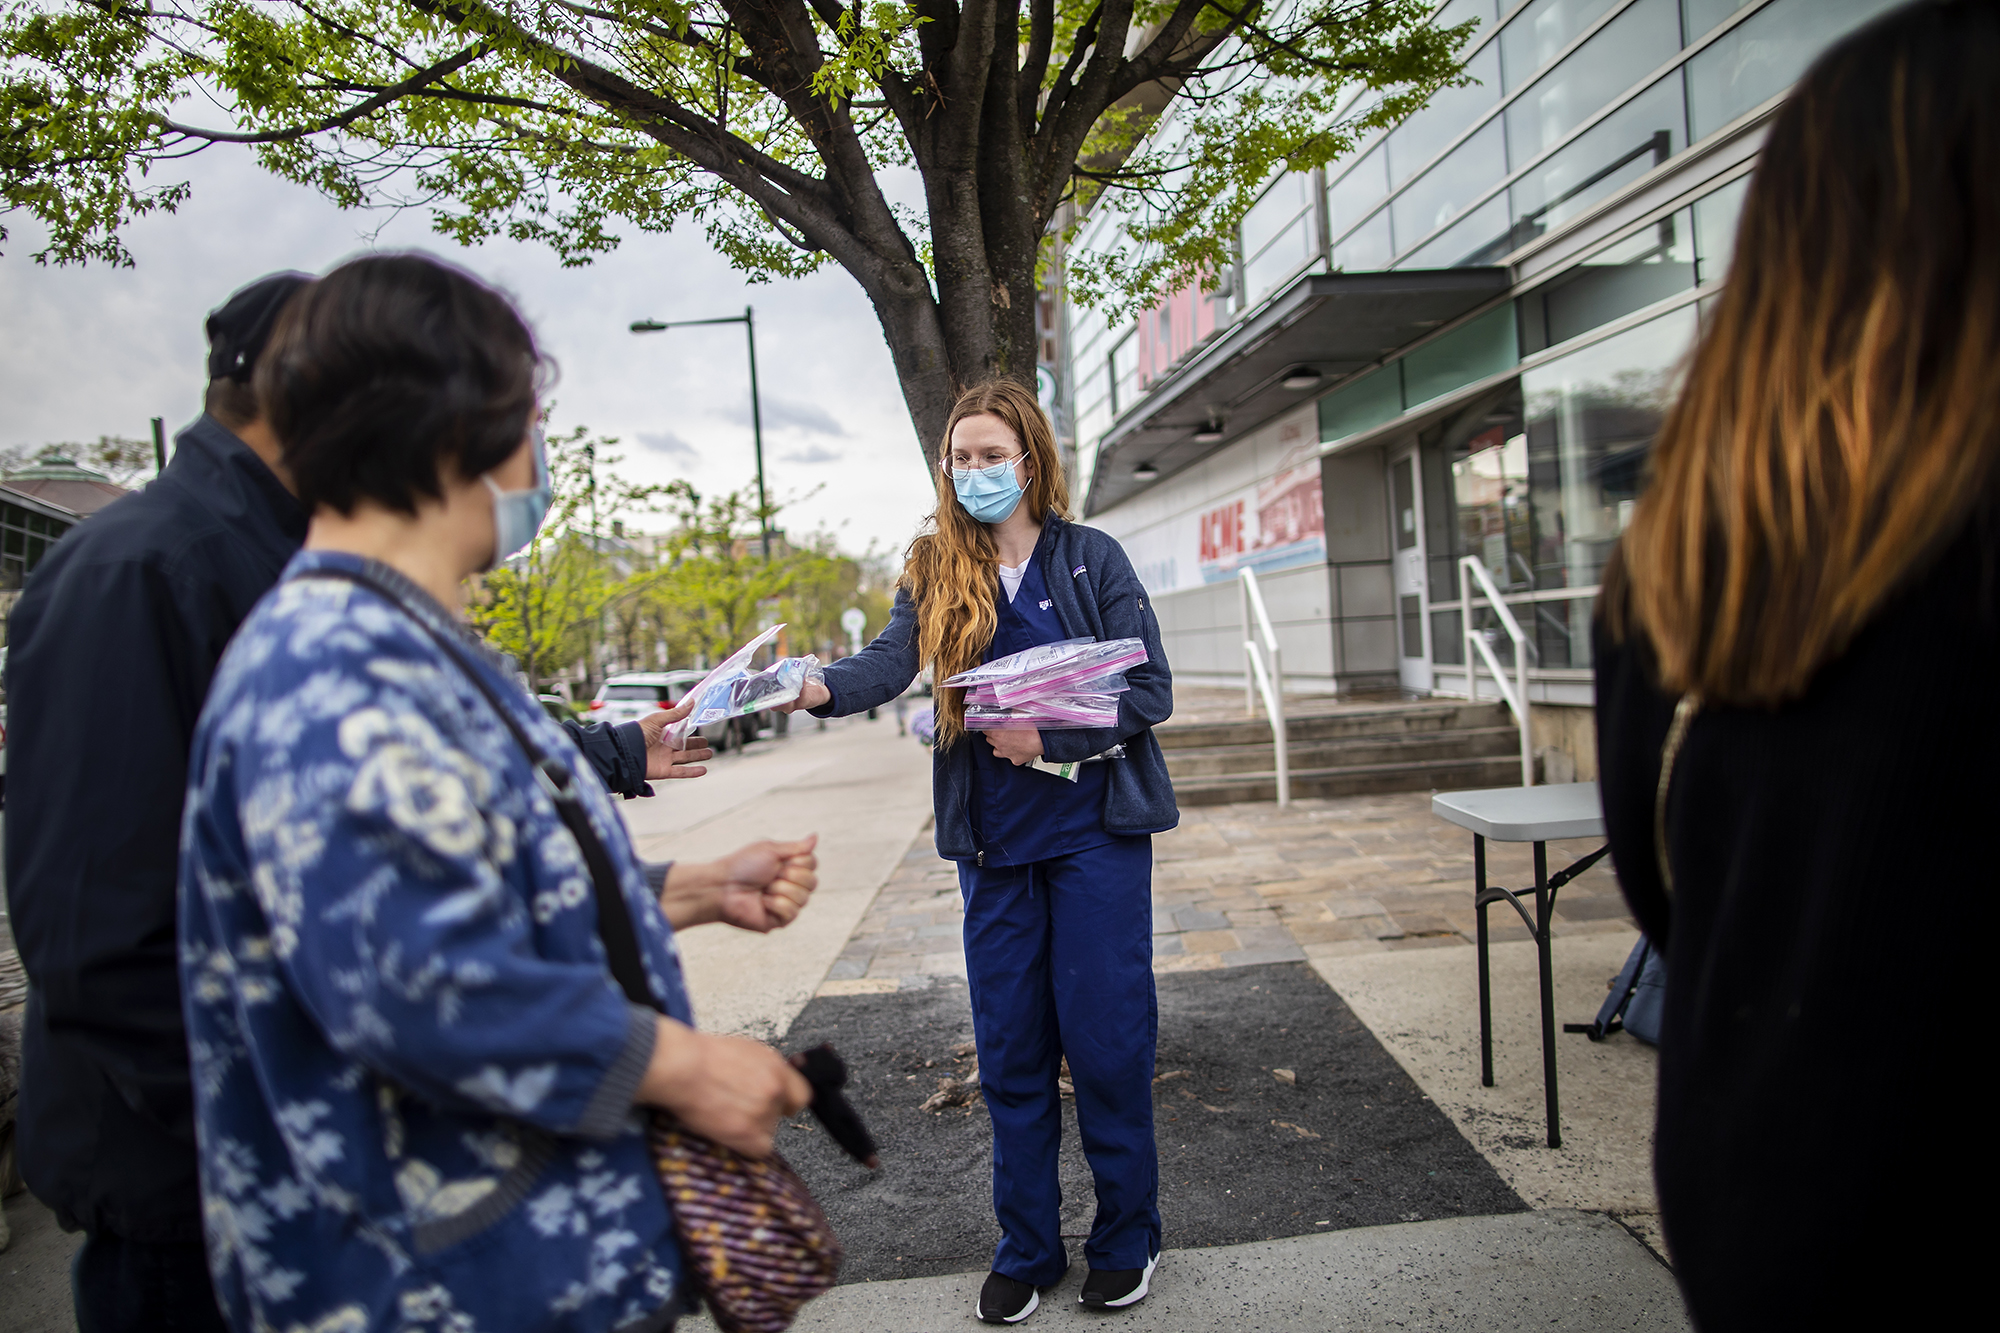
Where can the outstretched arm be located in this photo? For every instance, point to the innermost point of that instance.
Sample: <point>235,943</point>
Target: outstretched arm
<point>872,677</point>
<point>761,887</point>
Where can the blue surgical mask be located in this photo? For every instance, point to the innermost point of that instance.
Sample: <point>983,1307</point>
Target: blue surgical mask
<point>989,494</point>
<point>518,515</point>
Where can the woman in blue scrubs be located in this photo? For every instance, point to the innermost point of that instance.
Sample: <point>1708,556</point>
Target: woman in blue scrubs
<point>1056,874</point>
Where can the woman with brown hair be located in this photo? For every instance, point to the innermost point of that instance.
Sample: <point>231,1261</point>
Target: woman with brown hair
<point>1795,702</point>
<point>1056,874</point>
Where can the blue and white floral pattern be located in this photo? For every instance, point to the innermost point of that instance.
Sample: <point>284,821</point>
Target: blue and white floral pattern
<point>413,1071</point>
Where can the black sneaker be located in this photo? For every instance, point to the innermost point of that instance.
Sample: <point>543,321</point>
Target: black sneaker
<point>1116,1288</point>
<point>1004,1301</point>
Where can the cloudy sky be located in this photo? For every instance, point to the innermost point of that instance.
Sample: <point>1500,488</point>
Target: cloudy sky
<point>99,351</point>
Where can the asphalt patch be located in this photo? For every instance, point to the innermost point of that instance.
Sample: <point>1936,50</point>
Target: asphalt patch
<point>1244,1155</point>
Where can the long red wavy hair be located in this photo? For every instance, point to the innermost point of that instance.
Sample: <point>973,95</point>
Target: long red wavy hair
<point>951,569</point>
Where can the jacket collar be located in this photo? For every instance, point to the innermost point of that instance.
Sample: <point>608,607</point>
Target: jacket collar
<point>225,474</point>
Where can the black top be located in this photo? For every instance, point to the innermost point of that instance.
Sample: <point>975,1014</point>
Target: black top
<point>1818,1145</point>
<point>111,649</point>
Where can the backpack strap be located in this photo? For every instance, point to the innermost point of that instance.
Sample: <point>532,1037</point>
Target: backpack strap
<point>614,916</point>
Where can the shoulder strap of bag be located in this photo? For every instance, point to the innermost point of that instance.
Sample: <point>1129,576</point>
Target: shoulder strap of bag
<point>614,917</point>
<point>1670,752</point>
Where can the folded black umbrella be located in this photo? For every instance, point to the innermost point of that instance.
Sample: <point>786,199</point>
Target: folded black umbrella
<point>827,1073</point>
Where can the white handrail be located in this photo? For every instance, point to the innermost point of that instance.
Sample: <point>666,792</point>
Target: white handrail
<point>1270,681</point>
<point>1471,571</point>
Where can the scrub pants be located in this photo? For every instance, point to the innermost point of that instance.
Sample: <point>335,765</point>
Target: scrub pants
<point>1059,953</point>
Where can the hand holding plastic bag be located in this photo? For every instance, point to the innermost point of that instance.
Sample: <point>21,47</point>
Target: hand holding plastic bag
<point>733,690</point>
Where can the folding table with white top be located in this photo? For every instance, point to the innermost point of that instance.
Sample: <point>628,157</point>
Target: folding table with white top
<point>1539,815</point>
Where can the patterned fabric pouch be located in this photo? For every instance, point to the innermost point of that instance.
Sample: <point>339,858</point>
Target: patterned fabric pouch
<point>756,1243</point>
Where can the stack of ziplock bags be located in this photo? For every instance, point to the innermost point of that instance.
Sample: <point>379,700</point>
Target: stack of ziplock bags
<point>1067,686</point>
<point>733,689</point>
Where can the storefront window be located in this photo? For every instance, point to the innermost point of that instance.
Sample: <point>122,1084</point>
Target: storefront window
<point>1489,487</point>
<point>1591,418</point>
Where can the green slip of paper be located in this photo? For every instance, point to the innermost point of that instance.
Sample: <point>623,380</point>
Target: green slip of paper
<point>1067,772</point>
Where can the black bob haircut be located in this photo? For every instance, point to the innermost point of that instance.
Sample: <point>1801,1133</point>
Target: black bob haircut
<point>388,368</point>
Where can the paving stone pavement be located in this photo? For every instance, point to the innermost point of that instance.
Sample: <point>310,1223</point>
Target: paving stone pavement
<point>1237,885</point>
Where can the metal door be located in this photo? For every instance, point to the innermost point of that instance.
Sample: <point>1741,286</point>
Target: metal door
<point>1406,520</point>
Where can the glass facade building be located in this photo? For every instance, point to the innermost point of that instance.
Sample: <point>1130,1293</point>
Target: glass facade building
<point>1593,171</point>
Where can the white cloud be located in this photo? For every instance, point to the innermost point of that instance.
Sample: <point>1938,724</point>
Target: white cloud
<point>814,454</point>
<point>668,443</point>
<point>108,348</point>
<point>786,414</point>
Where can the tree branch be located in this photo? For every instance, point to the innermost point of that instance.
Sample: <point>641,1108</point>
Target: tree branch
<point>1153,59</point>
<point>394,92</point>
<point>1035,62</point>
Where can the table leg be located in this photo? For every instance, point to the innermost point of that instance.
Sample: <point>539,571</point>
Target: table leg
<point>1485,974</point>
<point>1543,913</point>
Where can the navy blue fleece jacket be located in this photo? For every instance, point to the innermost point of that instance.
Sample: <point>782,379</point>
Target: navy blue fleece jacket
<point>1096,595</point>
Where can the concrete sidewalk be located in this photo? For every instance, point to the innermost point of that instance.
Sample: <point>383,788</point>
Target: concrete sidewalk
<point>865,790</point>
<point>1555,1270</point>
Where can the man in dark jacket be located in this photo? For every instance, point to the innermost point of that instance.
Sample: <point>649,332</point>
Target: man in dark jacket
<point>112,647</point>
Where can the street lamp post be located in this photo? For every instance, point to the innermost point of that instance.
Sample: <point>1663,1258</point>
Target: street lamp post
<point>749,322</point>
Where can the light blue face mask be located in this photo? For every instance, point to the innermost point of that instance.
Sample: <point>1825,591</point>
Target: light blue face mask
<point>518,515</point>
<point>989,494</point>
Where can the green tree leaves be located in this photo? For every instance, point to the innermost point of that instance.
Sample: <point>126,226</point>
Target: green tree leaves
<point>770,123</point>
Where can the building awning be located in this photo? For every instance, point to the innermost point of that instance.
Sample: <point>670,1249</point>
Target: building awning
<point>1335,324</point>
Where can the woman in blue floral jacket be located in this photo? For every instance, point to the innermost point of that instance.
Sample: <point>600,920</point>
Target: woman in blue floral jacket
<point>416,1079</point>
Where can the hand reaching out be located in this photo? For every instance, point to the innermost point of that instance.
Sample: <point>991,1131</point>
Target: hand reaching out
<point>662,762</point>
<point>812,695</point>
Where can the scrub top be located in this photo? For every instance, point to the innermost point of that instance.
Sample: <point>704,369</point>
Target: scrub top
<point>1022,814</point>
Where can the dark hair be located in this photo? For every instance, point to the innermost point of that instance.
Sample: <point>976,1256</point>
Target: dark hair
<point>1838,424</point>
<point>386,369</point>
<point>232,402</point>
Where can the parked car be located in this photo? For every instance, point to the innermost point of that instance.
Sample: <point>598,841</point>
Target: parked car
<point>631,695</point>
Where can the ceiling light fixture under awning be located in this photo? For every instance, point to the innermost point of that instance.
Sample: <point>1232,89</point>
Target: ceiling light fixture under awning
<point>1322,329</point>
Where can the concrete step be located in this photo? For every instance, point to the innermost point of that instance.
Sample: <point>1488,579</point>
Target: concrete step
<point>1355,780</point>
<point>1348,752</point>
<point>1396,719</point>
